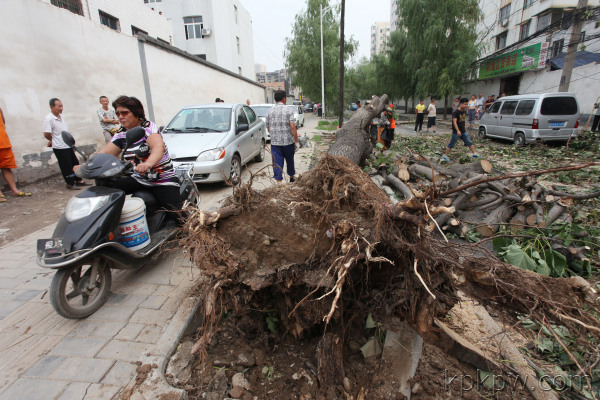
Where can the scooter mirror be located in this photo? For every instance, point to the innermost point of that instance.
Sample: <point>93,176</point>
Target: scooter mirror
<point>135,134</point>
<point>68,138</point>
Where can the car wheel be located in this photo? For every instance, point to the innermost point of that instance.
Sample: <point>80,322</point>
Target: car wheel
<point>519,140</point>
<point>481,133</point>
<point>261,154</point>
<point>236,170</point>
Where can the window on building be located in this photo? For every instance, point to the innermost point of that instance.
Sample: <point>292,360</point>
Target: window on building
<point>557,47</point>
<point>504,14</point>
<point>524,33</point>
<point>235,13</point>
<point>72,5</point>
<point>193,27</point>
<point>135,30</point>
<point>110,21</point>
<point>237,43</point>
<point>527,4</point>
<point>501,41</point>
<point>553,17</point>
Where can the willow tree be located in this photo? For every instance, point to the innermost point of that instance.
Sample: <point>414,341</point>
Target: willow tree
<point>303,52</point>
<point>441,43</point>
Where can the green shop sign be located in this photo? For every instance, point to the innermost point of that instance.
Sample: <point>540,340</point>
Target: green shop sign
<point>523,59</point>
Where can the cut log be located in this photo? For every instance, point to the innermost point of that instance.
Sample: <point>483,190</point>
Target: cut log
<point>400,186</point>
<point>441,169</point>
<point>490,225</point>
<point>480,202</point>
<point>424,171</point>
<point>519,220</point>
<point>531,219</point>
<point>556,210</point>
<point>480,167</point>
<point>575,196</point>
<point>403,173</point>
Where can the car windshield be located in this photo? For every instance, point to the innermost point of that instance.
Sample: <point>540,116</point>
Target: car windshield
<point>295,108</point>
<point>192,120</point>
<point>261,111</point>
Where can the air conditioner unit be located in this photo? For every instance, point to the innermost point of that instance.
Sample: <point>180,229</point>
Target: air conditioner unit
<point>206,32</point>
<point>504,22</point>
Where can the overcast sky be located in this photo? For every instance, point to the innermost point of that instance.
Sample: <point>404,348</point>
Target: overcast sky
<point>272,22</point>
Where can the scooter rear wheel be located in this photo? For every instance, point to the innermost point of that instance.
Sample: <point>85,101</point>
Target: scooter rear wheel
<point>70,294</point>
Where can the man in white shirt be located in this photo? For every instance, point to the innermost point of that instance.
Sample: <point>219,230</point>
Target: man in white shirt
<point>54,124</point>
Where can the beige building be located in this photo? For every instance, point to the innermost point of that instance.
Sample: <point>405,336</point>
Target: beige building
<point>380,34</point>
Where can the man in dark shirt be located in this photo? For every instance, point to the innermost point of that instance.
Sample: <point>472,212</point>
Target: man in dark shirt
<point>459,131</point>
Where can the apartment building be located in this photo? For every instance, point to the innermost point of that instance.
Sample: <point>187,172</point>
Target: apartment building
<point>525,45</point>
<point>393,15</point>
<point>219,31</point>
<point>380,34</point>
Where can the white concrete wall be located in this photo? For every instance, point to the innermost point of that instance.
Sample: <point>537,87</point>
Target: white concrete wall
<point>51,52</point>
<point>129,13</point>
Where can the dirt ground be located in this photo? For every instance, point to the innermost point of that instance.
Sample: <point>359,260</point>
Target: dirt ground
<point>22,216</point>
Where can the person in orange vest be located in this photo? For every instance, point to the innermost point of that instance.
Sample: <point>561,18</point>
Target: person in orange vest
<point>389,137</point>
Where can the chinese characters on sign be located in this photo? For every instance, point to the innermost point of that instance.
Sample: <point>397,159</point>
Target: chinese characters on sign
<point>526,58</point>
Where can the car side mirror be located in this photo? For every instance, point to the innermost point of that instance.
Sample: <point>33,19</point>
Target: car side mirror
<point>241,128</point>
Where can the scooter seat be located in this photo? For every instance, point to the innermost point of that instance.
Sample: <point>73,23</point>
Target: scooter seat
<point>149,200</point>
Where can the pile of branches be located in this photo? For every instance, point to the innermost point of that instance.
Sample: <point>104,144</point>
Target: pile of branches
<point>467,197</point>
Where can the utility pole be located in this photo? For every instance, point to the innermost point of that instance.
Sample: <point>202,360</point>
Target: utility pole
<point>341,116</point>
<point>565,79</point>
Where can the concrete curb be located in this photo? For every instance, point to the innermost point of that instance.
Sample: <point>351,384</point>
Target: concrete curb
<point>156,385</point>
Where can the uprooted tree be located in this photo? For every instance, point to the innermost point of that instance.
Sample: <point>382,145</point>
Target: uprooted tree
<point>334,246</point>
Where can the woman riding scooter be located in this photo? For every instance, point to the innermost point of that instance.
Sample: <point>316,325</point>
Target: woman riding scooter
<point>155,172</point>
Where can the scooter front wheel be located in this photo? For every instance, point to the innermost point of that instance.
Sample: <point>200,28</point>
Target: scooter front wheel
<point>75,293</point>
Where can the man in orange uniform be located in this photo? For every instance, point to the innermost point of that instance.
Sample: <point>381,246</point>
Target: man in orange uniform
<point>7,161</point>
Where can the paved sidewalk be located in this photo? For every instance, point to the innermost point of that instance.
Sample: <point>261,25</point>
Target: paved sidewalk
<point>45,356</point>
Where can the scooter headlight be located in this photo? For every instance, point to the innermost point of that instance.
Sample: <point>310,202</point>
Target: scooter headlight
<point>79,207</point>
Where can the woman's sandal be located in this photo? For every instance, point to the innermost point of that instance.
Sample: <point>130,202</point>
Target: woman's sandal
<point>2,198</point>
<point>22,194</point>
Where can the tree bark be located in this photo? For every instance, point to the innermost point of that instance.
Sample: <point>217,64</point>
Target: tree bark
<point>353,140</point>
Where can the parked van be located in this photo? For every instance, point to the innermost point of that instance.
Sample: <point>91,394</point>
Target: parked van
<point>530,118</point>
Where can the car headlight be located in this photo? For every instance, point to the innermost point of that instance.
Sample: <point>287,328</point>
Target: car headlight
<point>212,155</point>
<point>79,207</point>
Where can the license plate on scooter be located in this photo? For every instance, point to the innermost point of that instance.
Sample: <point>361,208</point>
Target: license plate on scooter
<point>50,247</point>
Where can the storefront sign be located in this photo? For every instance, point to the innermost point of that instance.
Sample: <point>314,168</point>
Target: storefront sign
<point>526,58</point>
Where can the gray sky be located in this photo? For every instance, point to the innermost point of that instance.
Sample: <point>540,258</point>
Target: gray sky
<point>272,22</point>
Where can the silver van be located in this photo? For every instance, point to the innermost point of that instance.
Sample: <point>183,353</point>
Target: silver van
<point>530,118</point>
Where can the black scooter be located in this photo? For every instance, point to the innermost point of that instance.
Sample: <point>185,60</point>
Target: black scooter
<point>85,243</point>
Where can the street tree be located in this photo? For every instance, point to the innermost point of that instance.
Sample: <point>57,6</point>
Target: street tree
<point>303,51</point>
<point>440,46</point>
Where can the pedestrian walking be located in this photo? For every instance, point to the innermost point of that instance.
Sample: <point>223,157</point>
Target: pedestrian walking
<point>7,162</point>
<point>596,120</point>
<point>284,137</point>
<point>472,110</point>
<point>480,105</point>
<point>459,131</point>
<point>108,119</point>
<point>431,114</point>
<point>54,124</point>
<point>420,114</point>
<point>455,104</point>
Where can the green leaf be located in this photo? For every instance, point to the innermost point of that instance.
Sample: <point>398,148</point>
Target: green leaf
<point>545,344</point>
<point>500,243</point>
<point>379,146</point>
<point>487,378</point>
<point>516,256</point>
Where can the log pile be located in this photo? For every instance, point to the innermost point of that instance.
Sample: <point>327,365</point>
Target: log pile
<point>467,197</point>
